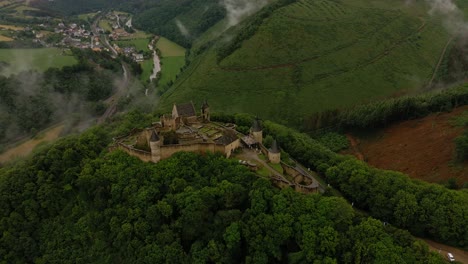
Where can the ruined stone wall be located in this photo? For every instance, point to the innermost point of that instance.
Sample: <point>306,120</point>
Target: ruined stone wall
<point>169,150</point>
<point>228,149</point>
<point>290,170</point>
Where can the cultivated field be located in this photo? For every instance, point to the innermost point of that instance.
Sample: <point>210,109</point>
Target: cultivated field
<point>137,35</point>
<point>173,59</point>
<point>147,67</point>
<point>34,59</point>
<point>170,68</point>
<point>316,55</point>
<point>87,16</point>
<point>19,11</point>
<point>138,43</point>
<point>5,38</point>
<point>105,24</point>
<point>169,48</point>
<point>11,27</point>
<point>422,148</point>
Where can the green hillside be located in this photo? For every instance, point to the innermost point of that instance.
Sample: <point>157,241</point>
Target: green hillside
<point>315,55</point>
<point>73,202</point>
<point>180,20</point>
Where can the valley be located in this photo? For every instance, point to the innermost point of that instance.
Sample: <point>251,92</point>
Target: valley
<point>233,131</point>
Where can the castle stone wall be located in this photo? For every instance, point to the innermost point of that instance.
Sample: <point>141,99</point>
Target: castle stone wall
<point>169,150</point>
<point>143,155</point>
<point>228,149</point>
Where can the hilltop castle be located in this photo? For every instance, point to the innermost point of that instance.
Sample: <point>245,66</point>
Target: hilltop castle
<point>183,130</point>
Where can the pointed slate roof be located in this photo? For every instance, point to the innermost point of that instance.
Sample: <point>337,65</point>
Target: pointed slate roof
<point>186,109</point>
<point>256,125</point>
<point>228,137</point>
<point>154,137</point>
<point>274,147</point>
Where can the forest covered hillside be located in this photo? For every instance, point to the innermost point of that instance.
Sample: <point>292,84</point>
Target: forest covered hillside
<point>73,202</point>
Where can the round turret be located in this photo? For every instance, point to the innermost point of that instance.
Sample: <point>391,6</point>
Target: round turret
<point>205,109</point>
<point>274,153</point>
<point>257,131</point>
<point>155,145</point>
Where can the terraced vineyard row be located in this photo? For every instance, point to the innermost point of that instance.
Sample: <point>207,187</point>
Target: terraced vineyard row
<point>316,10</point>
<point>318,55</point>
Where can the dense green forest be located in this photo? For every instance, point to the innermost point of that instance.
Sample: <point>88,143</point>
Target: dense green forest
<point>73,202</point>
<point>30,101</point>
<point>182,21</point>
<point>424,209</point>
<point>383,113</point>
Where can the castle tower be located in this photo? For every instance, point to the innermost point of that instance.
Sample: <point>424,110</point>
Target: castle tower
<point>257,131</point>
<point>205,109</point>
<point>155,145</point>
<point>274,154</point>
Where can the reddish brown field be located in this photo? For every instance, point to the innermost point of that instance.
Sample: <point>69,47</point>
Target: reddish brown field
<point>422,148</point>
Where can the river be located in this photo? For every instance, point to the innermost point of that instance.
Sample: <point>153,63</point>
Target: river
<point>156,60</point>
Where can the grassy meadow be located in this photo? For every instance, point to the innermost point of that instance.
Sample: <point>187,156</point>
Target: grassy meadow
<point>172,60</point>
<point>105,24</point>
<point>87,16</point>
<point>312,56</point>
<point>169,48</point>
<point>147,67</point>
<point>34,59</point>
<point>138,43</point>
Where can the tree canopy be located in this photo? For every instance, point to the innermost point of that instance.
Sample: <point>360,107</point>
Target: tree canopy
<point>73,202</point>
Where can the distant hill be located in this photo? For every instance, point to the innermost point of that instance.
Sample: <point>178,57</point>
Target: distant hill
<point>313,55</point>
<point>179,20</point>
<point>72,7</point>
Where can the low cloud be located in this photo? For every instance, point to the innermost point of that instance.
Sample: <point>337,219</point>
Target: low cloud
<point>452,16</point>
<point>183,30</point>
<point>237,10</point>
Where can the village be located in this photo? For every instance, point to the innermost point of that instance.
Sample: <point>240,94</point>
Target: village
<point>87,32</point>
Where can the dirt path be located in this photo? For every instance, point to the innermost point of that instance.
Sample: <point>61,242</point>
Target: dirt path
<point>440,60</point>
<point>27,147</point>
<point>459,255</point>
<point>355,147</point>
<point>252,155</point>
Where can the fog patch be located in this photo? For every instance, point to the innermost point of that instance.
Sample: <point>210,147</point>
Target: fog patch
<point>452,16</point>
<point>183,30</point>
<point>238,10</point>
